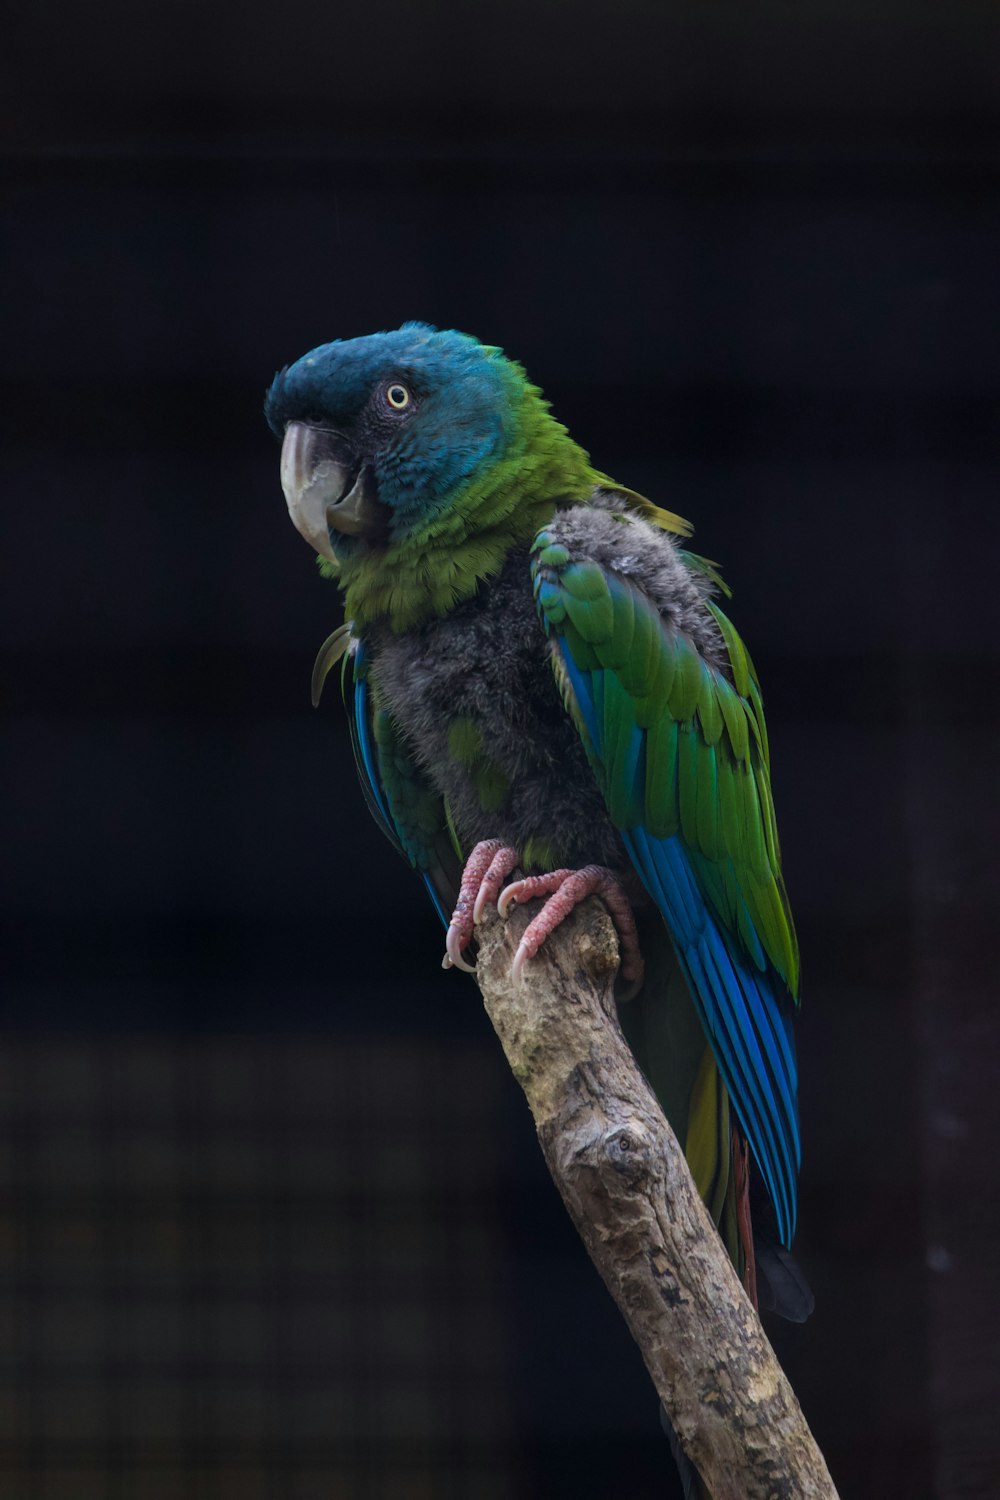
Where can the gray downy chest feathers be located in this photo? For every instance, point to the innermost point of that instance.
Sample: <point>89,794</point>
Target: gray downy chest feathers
<point>475,696</point>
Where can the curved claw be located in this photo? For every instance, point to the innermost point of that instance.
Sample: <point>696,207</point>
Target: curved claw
<point>627,989</point>
<point>507,899</point>
<point>518,962</point>
<point>453,951</point>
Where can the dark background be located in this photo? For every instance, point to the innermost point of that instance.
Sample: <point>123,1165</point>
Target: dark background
<point>273,1220</point>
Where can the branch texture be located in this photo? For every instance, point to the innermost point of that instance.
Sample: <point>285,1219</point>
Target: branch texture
<point>626,1184</point>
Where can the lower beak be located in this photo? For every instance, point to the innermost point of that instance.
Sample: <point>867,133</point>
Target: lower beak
<point>325,486</point>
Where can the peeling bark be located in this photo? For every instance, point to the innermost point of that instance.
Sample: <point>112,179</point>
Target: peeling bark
<point>626,1184</point>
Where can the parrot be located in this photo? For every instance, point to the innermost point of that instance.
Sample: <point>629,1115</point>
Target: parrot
<point>540,678</point>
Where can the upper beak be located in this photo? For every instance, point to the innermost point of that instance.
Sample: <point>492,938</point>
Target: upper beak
<point>324,485</point>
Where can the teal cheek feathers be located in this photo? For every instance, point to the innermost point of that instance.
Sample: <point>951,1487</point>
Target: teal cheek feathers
<point>466,418</point>
<point>455,436</point>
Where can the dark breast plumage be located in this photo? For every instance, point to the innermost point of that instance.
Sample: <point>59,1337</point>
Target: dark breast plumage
<point>475,697</point>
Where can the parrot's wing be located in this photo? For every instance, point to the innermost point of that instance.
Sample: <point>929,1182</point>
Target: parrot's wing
<point>410,813</point>
<point>680,753</point>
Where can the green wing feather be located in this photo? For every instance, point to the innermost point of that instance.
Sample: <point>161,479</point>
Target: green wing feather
<point>707,769</point>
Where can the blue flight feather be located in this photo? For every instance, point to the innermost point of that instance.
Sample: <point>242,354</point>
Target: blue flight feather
<point>365,745</point>
<point>368,765</point>
<point>584,702</point>
<point>438,906</point>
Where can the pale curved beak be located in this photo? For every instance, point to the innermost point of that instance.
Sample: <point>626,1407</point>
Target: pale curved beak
<point>324,486</point>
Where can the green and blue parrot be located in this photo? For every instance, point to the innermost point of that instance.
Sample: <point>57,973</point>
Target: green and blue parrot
<point>538,675</point>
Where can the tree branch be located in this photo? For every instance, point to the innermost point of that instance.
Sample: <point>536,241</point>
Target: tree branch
<point>626,1184</point>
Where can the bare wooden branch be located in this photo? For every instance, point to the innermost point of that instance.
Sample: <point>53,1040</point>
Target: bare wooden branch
<point>625,1181</point>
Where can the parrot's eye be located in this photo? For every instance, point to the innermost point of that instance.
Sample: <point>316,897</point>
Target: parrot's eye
<point>397,396</point>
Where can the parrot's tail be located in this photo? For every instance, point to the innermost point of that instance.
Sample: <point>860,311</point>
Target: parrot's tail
<point>781,1286</point>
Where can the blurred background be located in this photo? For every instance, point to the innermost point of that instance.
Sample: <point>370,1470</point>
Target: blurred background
<point>273,1221</point>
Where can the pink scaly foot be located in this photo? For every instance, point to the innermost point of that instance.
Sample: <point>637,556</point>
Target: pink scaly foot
<point>565,890</point>
<point>486,869</point>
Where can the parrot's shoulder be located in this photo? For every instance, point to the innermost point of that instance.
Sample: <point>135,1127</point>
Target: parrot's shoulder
<point>622,542</point>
